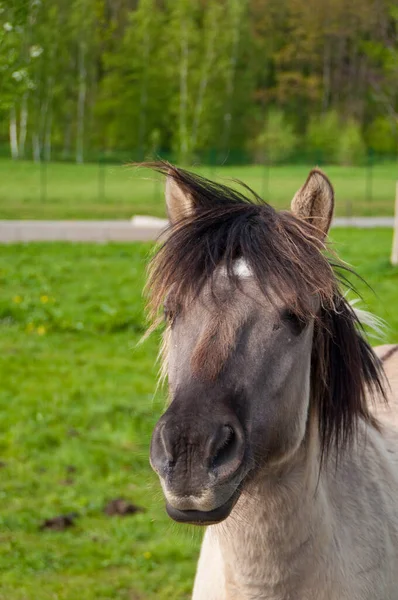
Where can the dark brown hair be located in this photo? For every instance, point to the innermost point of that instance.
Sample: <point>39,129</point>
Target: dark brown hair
<point>286,254</point>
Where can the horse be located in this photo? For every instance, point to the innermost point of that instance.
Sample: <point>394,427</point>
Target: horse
<point>281,431</point>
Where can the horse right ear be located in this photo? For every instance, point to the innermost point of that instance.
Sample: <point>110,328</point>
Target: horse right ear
<point>179,201</point>
<point>314,202</point>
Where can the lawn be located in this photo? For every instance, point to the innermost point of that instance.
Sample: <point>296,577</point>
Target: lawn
<point>68,191</point>
<point>77,410</point>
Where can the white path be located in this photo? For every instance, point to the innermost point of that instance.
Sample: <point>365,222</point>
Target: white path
<point>137,229</point>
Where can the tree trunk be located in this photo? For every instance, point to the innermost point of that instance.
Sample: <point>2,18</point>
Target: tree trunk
<point>184,92</point>
<point>144,95</point>
<point>13,134</point>
<point>67,138</point>
<point>23,122</point>
<point>204,79</point>
<point>43,117</point>
<point>47,135</point>
<point>36,126</point>
<point>339,81</point>
<point>230,85</point>
<point>326,73</point>
<point>394,253</point>
<point>81,103</point>
<point>47,122</point>
<point>36,147</point>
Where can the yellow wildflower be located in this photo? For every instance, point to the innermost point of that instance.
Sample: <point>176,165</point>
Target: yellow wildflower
<point>41,330</point>
<point>17,299</point>
<point>147,555</point>
<point>44,299</point>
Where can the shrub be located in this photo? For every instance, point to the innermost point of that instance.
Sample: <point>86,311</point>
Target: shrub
<point>382,136</point>
<point>351,148</point>
<point>277,141</point>
<point>322,137</point>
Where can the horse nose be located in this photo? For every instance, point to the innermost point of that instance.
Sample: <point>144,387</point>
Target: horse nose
<point>219,451</point>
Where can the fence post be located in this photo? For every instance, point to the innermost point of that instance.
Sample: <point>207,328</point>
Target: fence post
<point>265,180</point>
<point>394,253</point>
<point>157,189</point>
<point>43,180</point>
<point>101,179</point>
<point>348,209</point>
<point>213,162</point>
<point>369,177</point>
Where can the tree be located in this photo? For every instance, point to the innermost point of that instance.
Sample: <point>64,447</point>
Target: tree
<point>187,76</point>
<point>16,55</point>
<point>133,94</point>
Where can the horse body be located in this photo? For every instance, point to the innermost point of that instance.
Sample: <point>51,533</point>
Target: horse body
<point>387,413</point>
<point>298,534</point>
<point>278,436</point>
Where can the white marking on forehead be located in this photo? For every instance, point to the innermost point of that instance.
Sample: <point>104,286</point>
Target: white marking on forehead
<point>240,269</point>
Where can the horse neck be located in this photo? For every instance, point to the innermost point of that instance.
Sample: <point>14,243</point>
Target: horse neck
<point>277,524</point>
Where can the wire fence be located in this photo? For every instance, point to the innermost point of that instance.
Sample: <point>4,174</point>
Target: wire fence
<point>112,186</point>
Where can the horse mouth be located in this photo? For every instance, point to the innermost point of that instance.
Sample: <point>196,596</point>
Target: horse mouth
<point>202,517</point>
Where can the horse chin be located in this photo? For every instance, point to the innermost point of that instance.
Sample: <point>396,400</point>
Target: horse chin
<point>203,517</point>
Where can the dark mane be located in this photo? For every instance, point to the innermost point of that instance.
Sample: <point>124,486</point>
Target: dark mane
<point>285,253</point>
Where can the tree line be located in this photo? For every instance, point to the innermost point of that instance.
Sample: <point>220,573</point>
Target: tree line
<point>210,80</point>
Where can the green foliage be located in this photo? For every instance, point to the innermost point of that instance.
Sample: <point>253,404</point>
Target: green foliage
<point>88,76</point>
<point>15,59</point>
<point>277,142</point>
<point>132,95</point>
<point>323,137</point>
<point>351,147</point>
<point>382,136</point>
<point>77,411</point>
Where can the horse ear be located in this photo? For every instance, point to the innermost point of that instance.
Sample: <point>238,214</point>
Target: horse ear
<point>179,202</point>
<point>314,202</point>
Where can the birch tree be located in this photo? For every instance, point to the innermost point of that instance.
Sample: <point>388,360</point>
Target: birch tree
<point>15,81</point>
<point>182,43</point>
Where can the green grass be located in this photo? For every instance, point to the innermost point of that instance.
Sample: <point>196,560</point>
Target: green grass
<point>68,191</point>
<point>76,391</point>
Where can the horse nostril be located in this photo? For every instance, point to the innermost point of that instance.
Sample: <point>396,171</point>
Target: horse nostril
<point>161,456</point>
<point>225,446</point>
<point>226,451</point>
<point>167,445</point>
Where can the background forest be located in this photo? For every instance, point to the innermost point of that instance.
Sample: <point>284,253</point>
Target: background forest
<point>209,80</point>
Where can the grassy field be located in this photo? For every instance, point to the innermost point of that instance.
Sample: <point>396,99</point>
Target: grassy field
<point>77,410</point>
<point>68,191</point>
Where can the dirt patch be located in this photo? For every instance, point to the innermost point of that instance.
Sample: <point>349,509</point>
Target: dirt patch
<point>122,508</point>
<point>59,523</point>
<point>67,481</point>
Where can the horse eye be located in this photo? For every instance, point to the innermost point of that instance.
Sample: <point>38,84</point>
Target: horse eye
<point>296,323</point>
<point>167,313</point>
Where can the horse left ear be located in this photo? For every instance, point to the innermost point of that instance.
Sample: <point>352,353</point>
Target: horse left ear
<point>179,201</point>
<point>314,202</point>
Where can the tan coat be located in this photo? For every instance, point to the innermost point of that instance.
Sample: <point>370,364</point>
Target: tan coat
<point>300,538</point>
